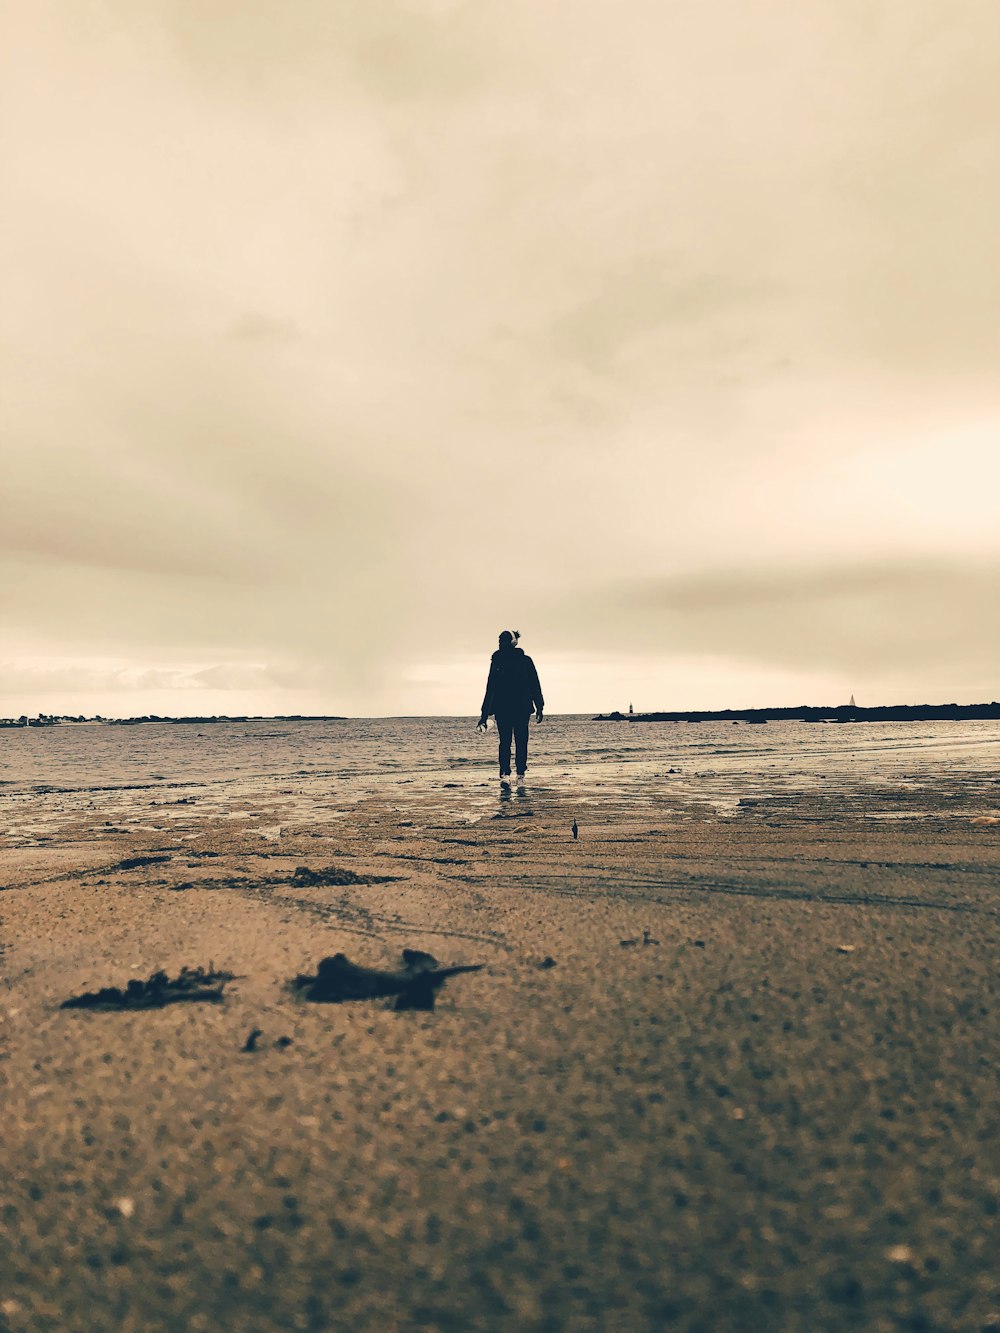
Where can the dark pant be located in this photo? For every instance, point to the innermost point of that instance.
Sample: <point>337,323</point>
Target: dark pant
<point>517,727</point>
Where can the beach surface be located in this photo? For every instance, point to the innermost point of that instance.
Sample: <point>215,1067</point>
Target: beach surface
<point>726,1066</point>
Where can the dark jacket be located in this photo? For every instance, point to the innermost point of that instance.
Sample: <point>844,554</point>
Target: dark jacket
<point>512,689</point>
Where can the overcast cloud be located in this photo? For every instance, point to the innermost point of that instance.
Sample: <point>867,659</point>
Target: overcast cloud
<point>337,337</point>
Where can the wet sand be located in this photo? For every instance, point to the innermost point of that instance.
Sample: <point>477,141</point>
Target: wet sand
<point>756,1090</point>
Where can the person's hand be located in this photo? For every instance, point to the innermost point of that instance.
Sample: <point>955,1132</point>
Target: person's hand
<point>538,715</point>
<point>481,726</point>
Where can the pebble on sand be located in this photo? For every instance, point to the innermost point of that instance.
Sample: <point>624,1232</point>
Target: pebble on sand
<point>900,1254</point>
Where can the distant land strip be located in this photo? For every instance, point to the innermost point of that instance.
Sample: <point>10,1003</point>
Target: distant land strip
<point>842,713</point>
<point>53,720</point>
<point>804,713</point>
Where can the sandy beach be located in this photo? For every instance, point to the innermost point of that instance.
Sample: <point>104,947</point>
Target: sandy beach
<point>718,1072</point>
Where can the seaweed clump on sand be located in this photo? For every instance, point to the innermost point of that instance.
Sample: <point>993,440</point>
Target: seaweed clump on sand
<point>192,983</point>
<point>135,862</point>
<point>336,876</point>
<point>415,985</point>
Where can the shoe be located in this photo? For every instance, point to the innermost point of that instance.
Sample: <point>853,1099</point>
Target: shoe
<point>505,781</point>
<point>520,777</point>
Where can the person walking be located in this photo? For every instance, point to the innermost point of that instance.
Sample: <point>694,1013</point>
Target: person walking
<point>513,693</point>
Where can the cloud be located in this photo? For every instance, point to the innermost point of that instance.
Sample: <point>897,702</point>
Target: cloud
<point>875,619</point>
<point>93,676</point>
<point>253,326</point>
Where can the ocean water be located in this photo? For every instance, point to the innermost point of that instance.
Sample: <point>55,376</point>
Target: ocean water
<point>50,777</point>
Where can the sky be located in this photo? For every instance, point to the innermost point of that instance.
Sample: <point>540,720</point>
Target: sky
<point>338,336</point>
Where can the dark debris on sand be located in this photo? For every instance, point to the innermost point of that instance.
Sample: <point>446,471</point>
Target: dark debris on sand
<point>415,985</point>
<point>336,875</point>
<point>192,983</point>
<point>134,862</point>
<point>647,939</point>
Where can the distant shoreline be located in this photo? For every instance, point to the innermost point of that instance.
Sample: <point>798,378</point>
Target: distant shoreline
<point>841,713</point>
<point>47,720</point>
<point>750,716</point>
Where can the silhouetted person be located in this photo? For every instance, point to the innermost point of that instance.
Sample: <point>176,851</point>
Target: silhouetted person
<point>512,695</point>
